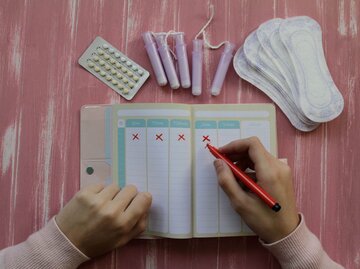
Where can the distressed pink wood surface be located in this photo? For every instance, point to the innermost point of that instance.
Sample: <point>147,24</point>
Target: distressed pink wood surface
<point>42,89</point>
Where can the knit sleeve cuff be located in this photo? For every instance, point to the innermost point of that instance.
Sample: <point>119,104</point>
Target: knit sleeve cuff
<point>47,248</point>
<point>300,249</point>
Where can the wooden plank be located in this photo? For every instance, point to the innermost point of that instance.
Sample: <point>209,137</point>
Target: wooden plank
<point>42,89</point>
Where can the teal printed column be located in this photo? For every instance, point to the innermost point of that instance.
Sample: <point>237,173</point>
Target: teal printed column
<point>121,156</point>
<point>135,152</point>
<point>108,121</point>
<point>206,184</point>
<point>229,221</point>
<point>180,173</point>
<point>158,173</point>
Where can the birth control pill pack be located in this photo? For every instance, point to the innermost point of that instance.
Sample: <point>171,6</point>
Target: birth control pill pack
<point>113,68</point>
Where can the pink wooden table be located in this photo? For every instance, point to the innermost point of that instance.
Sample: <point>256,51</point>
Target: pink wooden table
<point>42,89</point>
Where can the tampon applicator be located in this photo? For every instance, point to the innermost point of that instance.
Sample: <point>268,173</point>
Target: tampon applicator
<point>154,58</point>
<point>167,61</point>
<point>197,62</point>
<point>222,68</point>
<point>182,59</point>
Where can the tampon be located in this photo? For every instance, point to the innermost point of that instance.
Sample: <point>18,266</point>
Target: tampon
<point>167,61</point>
<point>154,58</point>
<point>222,68</point>
<point>197,59</point>
<point>182,59</point>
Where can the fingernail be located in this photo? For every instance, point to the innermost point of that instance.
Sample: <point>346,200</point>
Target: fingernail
<point>148,195</point>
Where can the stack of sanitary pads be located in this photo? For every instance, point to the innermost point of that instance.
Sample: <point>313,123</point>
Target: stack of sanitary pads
<point>284,58</point>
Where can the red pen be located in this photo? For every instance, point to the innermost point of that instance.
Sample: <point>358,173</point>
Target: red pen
<point>244,178</point>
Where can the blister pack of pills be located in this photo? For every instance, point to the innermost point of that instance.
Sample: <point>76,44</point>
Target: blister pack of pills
<point>284,58</point>
<point>113,68</point>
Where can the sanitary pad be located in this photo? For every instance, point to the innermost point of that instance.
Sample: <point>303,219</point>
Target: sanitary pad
<point>284,58</point>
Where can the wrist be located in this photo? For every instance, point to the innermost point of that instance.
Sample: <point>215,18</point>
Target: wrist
<point>281,231</point>
<point>300,248</point>
<point>73,246</point>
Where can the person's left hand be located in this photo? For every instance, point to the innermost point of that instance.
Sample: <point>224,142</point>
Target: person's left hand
<point>98,219</point>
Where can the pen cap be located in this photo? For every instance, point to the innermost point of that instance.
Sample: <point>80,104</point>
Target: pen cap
<point>197,59</point>
<point>167,61</point>
<point>182,59</point>
<point>222,68</point>
<point>154,58</point>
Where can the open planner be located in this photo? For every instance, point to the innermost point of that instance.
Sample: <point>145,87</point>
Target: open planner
<point>161,148</point>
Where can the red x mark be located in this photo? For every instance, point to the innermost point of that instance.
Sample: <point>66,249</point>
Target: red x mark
<point>159,137</point>
<point>206,138</point>
<point>181,137</point>
<point>135,136</point>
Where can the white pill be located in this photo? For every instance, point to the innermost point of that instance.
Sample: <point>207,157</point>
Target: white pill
<point>140,72</point>
<point>105,46</point>
<point>123,59</point>
<point>128,63</point>
<point>135,68</point>
<point>111,50</point>
<point>117,55</point>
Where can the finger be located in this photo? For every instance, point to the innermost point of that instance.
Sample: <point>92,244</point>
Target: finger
<point>109,192</point>
<point>250,146</point>
<point>229,184</point>
<point>244,163</point>
<point>238,157</point>
<point>125,196</point>
<point>139,228</point>
<point>94,188</point>
<point>137,208</point>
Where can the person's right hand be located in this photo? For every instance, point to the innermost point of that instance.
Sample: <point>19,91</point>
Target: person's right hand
<point>273,176</point>
<point>98,219</point>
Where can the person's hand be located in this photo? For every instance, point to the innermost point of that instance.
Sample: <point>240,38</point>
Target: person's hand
<point>273,176</point>
<point>99,219</point>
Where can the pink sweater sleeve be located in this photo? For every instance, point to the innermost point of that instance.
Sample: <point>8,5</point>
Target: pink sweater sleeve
<point>301,249</point>
<point>47,248</point>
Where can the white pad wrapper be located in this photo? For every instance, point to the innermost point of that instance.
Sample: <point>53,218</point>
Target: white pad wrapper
<point>284,58</point>
<point>248,73</point>
<point>319,98</point>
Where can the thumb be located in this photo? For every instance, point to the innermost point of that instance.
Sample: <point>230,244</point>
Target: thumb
<point>228,183</point>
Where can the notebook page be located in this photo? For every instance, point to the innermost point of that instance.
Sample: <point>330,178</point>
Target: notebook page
<point>213,213</point>
<point>152,151</point>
